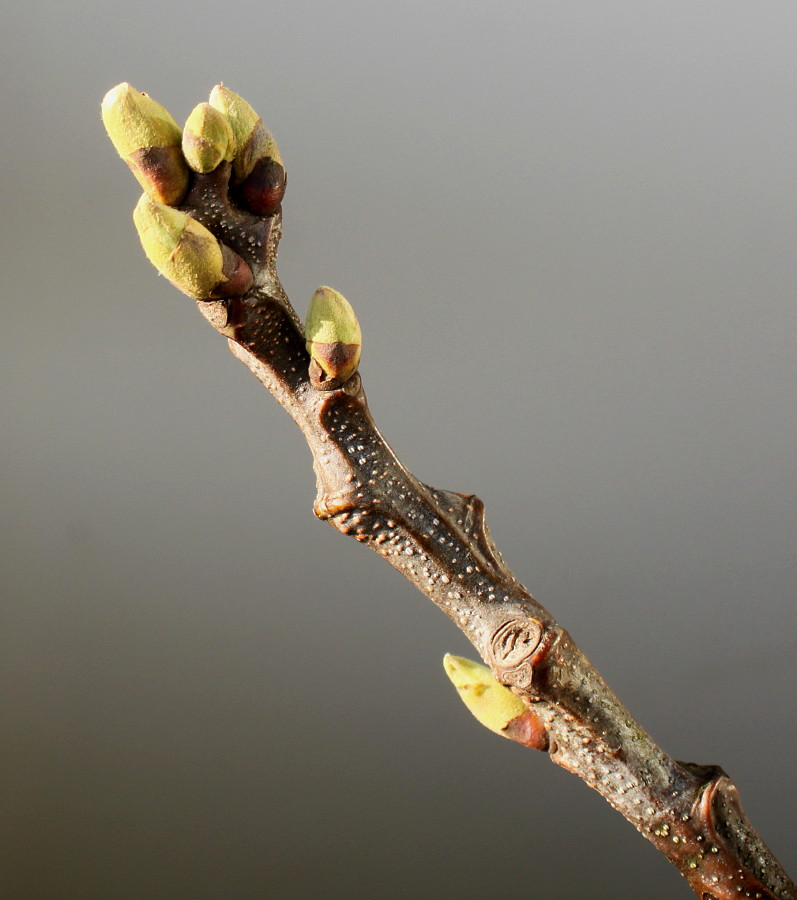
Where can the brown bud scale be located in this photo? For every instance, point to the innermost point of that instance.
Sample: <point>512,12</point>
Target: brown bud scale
<point>337,360</point>
<point>263,189</point>
<point>527,729</point>
<point>238,273</point>
<point>161,171</point>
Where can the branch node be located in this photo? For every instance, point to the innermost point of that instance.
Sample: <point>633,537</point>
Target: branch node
<point>517,647</point>
<point>339,503</point>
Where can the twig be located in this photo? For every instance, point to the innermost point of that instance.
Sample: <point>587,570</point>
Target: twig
<point>440,542</point>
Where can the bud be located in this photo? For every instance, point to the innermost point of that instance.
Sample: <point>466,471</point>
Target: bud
<point>493,705</point>
<point>333,335</point>
<point>253,141</point>
<point>186,253</point>
<point>207,138</point>
<point>263,189</point>
<point>148,140</point>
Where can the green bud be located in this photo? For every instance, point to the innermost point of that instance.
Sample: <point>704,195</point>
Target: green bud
<point>333,336</point>
<point>148,139</point>
<point>494,705</point>
<point>186,253</point>
<point>253,141</point>
<point>207,138</point>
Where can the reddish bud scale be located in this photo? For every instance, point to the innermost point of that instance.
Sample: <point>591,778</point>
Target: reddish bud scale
<point>337,362</point>
<point>238,273</point>
<point>161,171</point>
<point>527,729</point>
<point>263,189</point>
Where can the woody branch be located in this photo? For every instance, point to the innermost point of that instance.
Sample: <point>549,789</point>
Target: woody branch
<point>211,221</point>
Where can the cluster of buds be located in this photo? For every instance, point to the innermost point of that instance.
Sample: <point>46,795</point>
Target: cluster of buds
<point>162,156</point>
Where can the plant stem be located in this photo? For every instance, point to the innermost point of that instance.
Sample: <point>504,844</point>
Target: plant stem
<point>440,542</point>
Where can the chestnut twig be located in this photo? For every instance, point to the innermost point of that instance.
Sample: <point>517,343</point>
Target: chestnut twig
<point>211,221</point>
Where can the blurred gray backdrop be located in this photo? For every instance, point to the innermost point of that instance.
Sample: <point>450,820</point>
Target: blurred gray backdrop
<point>568,230</point>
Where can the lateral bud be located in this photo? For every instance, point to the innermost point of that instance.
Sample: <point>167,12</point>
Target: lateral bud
<point>263,189</point>
<point>492,704</point>
<point>148,139</point>
<point>253,141</point>
<point>207,138</point>
<point>187,254</point>
<point>333,337</point>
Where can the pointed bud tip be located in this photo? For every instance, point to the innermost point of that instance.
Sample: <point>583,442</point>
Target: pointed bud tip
<point>465,673</point>
<point>241,115</point>
<point>134,121</point>
<point>331,318</point>
<point>116,93</point>
<point>492,704</point>
<point>207,138</point>
<point>159,222</point>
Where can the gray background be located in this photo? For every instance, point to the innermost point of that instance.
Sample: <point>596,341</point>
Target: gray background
<point>568,230</point>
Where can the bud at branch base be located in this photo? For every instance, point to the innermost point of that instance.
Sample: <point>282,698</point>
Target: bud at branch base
<point>333,336</point>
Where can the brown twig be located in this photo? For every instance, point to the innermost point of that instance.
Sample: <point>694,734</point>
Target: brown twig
<point>440,542</point>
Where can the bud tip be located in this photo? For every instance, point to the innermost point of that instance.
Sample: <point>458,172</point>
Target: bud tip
<point>253,141</point>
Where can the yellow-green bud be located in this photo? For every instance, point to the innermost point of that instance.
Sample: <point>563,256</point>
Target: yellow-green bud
<point>148,140</point>
<point>253,141</point>
<point>186,253</point>
<point>333,336</point>
<point>207,138</point>
<point>494,705</point>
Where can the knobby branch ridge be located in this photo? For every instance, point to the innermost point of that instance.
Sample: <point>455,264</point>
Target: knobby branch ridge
<point>210,220</point>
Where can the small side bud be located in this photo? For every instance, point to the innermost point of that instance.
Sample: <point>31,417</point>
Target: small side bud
<point>492,704</point>
<point>207,138</point>
<point>263,189</point>
<point>148,139</point>
<point>333,336</point>
<point>186,253</point>
<point>253,141</point>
